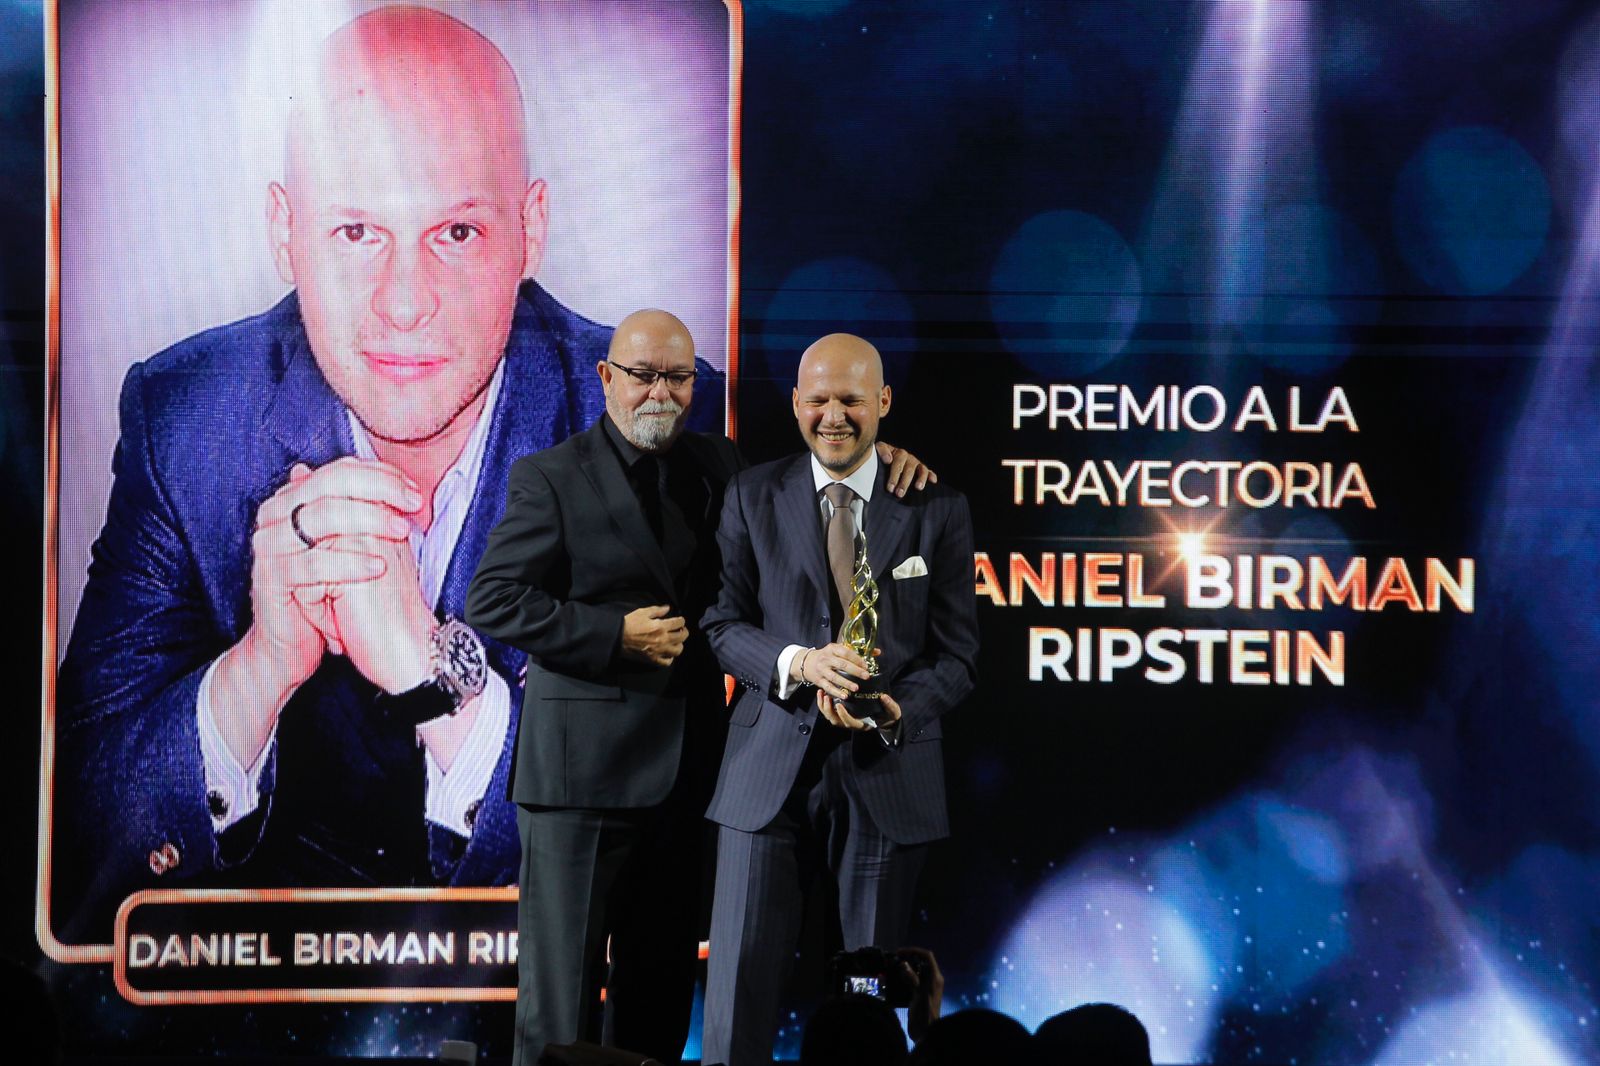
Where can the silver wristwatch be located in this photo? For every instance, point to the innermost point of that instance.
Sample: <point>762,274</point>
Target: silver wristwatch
<point>459,672</point>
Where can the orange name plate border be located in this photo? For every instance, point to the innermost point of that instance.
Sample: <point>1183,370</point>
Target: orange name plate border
<point>356,898</point>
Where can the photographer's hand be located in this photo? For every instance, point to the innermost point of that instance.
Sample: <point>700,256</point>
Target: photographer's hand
<point>927,994</point>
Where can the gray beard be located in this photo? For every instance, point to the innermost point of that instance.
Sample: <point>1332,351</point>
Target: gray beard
<point>653,434</point>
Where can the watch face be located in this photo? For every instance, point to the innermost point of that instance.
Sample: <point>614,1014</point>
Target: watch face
<point>461,656</point>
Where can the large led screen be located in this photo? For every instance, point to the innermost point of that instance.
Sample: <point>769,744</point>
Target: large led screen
<point>299,243</point>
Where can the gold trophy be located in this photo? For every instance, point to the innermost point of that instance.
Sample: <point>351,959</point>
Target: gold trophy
<point>860,629</point>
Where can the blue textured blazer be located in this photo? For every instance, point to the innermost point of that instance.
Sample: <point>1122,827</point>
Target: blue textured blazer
<point>209,430</point>
<point>775,583</point>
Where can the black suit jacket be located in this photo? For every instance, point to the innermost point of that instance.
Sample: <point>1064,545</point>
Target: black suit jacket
<point>572,555</point>
<point>774,593</point>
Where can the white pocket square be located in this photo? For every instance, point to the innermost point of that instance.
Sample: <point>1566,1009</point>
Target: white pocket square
<point>912,567</point>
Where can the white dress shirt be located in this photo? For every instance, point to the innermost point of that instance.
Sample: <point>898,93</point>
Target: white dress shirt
<point>234,791</point>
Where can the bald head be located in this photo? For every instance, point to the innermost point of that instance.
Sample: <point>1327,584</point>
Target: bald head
<point>843,351</point>
<point>658,346</point>
<point>402,78</point>
<point>645,333</point>
<point>407,220</point>
<point>839,398</point>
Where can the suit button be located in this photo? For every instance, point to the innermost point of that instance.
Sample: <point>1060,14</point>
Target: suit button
<point>805,731</point>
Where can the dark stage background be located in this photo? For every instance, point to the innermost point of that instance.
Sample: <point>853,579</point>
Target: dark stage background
<point>1389,203</point>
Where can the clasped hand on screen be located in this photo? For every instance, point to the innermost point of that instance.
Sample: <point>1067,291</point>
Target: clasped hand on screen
<point>332,571</point>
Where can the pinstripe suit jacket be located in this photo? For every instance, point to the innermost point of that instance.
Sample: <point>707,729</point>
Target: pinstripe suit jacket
<point>774,593</point>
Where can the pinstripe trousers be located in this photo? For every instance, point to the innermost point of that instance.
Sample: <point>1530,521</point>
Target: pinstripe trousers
<point>822,829</point>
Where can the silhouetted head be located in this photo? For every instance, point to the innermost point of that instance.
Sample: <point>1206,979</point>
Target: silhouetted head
<point>1094,1034</point>
<point>970,1037</point>
<point>35,1035</point>
<point>853,1031</point>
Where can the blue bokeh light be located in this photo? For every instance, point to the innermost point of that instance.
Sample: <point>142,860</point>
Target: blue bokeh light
<point>838,293</point>
<point>1065,293</point>
<point>1308,275</point>
<point>1314,534</point>
<point>1471,211</point>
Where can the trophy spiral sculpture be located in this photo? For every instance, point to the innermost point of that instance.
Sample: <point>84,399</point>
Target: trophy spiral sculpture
<point>860,629</point>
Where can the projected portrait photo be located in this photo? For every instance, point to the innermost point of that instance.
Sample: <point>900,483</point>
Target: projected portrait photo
<point>326,270</point>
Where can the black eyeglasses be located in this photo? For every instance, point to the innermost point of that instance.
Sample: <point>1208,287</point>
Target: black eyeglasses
<point>676,379</point>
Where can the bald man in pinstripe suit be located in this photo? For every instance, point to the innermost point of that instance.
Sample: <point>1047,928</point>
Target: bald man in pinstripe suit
<point>812,781</point>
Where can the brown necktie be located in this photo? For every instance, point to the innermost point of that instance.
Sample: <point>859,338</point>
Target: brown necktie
<point>841,541</point>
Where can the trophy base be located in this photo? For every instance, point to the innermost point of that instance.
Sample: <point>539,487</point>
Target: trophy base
<point>865,703</point>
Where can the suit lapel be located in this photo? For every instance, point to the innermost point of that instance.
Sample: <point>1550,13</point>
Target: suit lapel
<point>798,511</point>
<point>530,416</point>
<point>604,471</point>
<point>711,476</point>
<point>305,414</point>
<point>886,524</point>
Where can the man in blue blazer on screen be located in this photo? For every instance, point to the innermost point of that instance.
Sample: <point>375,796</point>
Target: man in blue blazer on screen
<point>268,681</point>
<point>811,779</point>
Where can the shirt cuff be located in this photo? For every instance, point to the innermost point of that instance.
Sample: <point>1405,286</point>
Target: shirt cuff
<point>232,791</point>
<point>455,798</point>
<point>785,685</point>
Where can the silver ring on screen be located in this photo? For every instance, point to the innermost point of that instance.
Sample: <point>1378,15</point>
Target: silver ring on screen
<point>294,520</point>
